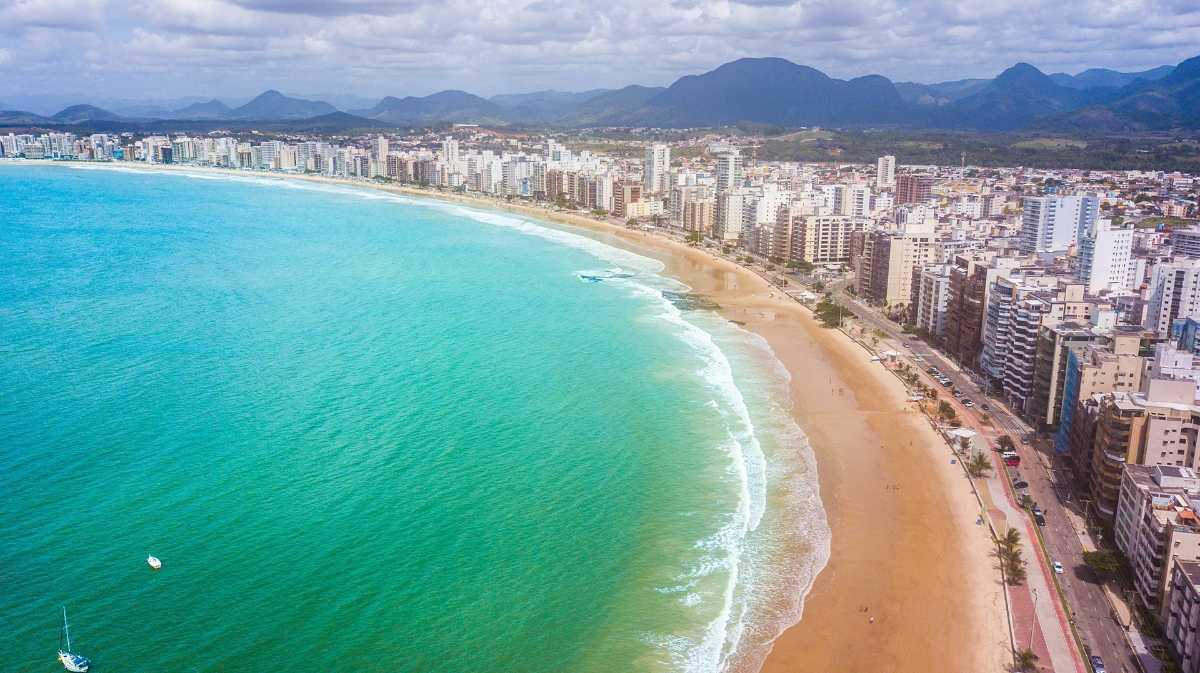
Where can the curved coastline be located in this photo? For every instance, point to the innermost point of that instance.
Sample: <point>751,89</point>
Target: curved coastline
<point>842,404</point>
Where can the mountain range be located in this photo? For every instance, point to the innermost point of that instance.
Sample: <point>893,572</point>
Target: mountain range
<point>768,91</point>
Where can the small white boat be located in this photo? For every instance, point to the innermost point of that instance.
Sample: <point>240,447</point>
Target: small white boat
<point>154,562</point>
<point>76,663</point>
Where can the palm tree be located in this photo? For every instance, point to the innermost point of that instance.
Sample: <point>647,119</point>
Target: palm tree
<point>1024,660</point>
<point>1010,539</point>
<point>1010,556</point>
<point>979,464</point>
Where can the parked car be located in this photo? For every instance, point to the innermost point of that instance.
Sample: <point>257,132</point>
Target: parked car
<point>1097,664</point>
<point>1058,568</point>
<point>1039,516</point>
<point>985,407</point>
<point>968,403</point>
<point>945,383</point>
<point>1020,484</point>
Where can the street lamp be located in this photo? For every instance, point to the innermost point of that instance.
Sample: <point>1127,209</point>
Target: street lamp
<point>1034,622</point>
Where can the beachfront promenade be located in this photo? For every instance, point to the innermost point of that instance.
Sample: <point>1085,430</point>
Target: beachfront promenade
<point>1089,607</point>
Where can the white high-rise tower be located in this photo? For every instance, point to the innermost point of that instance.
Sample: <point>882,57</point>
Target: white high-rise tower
<point>885,172</point>
<point>655,167</point>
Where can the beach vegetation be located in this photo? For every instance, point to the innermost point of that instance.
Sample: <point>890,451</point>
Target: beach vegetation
<point>694,238</point>
<point>829,312</point>
<point>1008,548</point>
<point>946,412</point>
<point>978,465</point>
<point>1024,661</point>
<point>801,266</point>
<point>1006,443</point>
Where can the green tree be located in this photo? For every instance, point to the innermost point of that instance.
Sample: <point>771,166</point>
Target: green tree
<point>1104,563</point>
<point>1006,443</point>
<point>694,238</point>
<point>829,312</point>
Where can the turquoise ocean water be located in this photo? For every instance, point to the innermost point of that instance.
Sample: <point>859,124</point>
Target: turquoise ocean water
<point>371,433</point>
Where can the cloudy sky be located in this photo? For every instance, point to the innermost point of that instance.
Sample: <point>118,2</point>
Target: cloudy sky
<point>164,48</point>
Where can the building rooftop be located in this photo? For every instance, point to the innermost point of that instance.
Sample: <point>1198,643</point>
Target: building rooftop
<point>1190,569</point>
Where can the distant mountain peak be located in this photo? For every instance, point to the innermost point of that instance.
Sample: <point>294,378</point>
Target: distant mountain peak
<point>273,105</point>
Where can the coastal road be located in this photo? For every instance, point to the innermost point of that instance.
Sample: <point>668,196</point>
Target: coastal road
<point>1063,537</point>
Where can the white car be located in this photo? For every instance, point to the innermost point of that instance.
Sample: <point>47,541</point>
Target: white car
<point>1058,568</point>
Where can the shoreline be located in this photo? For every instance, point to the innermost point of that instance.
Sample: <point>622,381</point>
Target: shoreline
<point>908,570</point>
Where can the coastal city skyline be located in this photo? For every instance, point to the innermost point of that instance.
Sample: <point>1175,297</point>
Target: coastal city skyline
<point>239,47</point>
<point>545,336</point>
<point>1062,293</point>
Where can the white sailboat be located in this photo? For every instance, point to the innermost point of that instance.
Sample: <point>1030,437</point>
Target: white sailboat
<point>153,562</point>
<point>76,663</point>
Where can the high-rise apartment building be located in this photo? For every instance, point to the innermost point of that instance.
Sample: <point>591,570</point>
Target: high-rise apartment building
<point>885,172</point>
<point>1174,294</point>
<point>888,262</point>
<point>913,188</point>
<point>1105,258</point>
<point>1051,224</point>
<point>1156,522</point>
<point>656,169</point>
<point>729,170</point>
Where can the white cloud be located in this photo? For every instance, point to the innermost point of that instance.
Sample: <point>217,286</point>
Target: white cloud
<point>376,47</point>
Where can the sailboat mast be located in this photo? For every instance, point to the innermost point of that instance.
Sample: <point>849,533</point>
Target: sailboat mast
<point>66,629</point>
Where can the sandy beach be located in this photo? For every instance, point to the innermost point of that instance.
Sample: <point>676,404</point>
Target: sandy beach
<point>911,584</point>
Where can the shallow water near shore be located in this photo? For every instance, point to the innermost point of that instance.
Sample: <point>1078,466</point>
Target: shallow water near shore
<point>366,432</point>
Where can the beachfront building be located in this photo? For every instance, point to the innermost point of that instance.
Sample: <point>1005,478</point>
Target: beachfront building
<point>932,300</point>
<point>888,263</point>
<point>1155,523</point>
<point>818,239</point>
<point>1092,372</point>
<point>1158,426</point>
<point>962,337</point>
<point>1182,625</point>
<point>729,211</point>
<point>1057,340</point>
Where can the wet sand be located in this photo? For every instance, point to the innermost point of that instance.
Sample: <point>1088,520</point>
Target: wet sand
<point>911,584</point>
